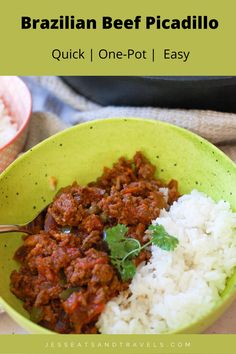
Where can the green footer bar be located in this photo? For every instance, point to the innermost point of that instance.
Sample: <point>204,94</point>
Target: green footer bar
<point>123,344</point>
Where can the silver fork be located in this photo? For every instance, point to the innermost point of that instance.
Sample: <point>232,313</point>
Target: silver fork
<point>30,228</point>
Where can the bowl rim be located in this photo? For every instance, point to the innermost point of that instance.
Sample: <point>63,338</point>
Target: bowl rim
<point>223,304</point>
<point>26,121</point>
<point>191,135</point>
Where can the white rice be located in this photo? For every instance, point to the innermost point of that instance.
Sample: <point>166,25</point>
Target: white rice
<point>176,288</point>
<point>8,128</point>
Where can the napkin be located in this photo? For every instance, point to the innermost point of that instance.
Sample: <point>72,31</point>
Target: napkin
<point>217,127</point>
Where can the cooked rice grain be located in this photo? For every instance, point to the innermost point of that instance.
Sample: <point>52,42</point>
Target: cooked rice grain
<point>177,288</point>
<point>8,128</point>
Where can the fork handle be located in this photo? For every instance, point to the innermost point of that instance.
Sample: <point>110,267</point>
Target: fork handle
<point>11,228</point>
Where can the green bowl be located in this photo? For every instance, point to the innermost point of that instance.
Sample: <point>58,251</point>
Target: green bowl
<point>80,153</point>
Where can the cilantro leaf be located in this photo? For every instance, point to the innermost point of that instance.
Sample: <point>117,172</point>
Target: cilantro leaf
<point>120,245</point>
<point>116,233</point>
<point>128,270</point>
<point>123,249</point>
<point>162,239</point>
<point>132,245</point>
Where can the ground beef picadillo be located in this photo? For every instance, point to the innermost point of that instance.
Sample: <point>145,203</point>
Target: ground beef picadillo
<point>65,276</point>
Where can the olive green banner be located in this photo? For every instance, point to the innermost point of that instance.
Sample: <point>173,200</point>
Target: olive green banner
<point>119,344</point>
<point>168,37</point>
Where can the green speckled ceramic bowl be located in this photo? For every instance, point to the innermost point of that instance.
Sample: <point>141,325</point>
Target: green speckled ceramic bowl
<point>80,153</point>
